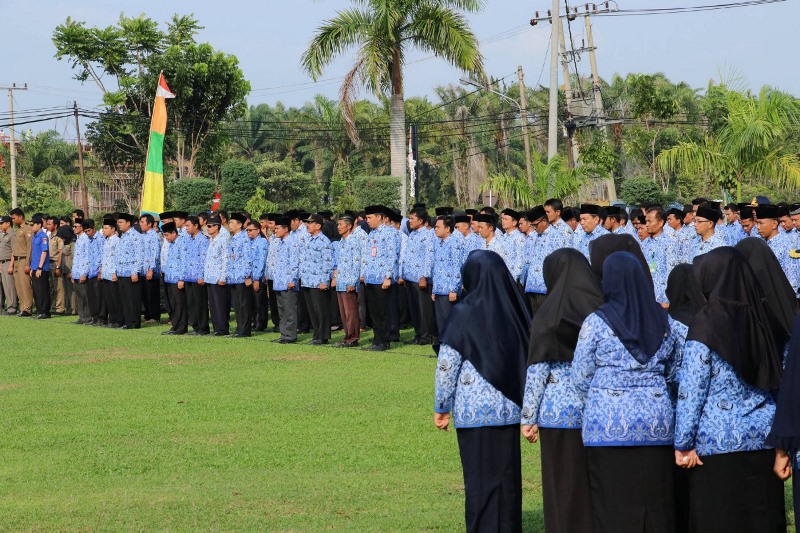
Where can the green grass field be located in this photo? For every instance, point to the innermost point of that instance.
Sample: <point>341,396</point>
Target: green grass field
<point>107,430</point>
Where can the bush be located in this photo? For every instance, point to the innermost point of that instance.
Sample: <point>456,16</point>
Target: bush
<point>287,187</point>
<point>239,183</point>
<point>37,197</point>
<point>193,194</point>
<point>374,190</point>
<point>641,190</point>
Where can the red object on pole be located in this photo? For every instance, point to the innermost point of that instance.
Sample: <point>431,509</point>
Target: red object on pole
<point>215,202</point>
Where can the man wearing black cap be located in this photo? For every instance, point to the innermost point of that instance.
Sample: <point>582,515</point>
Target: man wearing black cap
<point>300,232</point>
<point>778,241</point>
<point>151,269</point>
<point>659,251</point>
<point>794,213</point>
<point>472,241</point>
<point>20,262</point>
<point>286,278</point>
<point>239,275</point>
<point>194,247</point>
<point>129,267</point>
<point>40,267</point>
<point>173,269</point>
<point>214,277</point>
<point>554,208</point>
<point>378,272</point>
<point>543,240</point>
<point>316,271</point>
<point>448,256</point>
<point>272,253</point>
<point>487,230</point>
<point>513,241</point>
<point>112,314</point>
<point>397,299</point>
<point>259,249</point>
<point>705,225</point>
<point>416,269</point>
<point>6,270</point>
<point>613,221</point>
<point>592,229</point>
<point>747,217</point>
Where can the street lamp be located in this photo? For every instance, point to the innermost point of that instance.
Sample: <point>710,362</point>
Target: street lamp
<point>467,81</point>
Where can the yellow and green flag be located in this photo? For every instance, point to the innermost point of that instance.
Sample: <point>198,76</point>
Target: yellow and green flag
<point>153,190</point>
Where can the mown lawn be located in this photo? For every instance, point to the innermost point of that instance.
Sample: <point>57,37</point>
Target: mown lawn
<point>107,430</point>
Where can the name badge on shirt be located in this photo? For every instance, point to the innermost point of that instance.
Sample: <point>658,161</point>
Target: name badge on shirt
<point>374,252</point>
<point>653,267</point>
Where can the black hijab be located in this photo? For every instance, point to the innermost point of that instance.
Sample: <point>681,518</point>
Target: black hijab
<point>602,247</point>
<point>780,298</point>
<point>785,432</point>
<point>684,294</point>
<point>735,322</point>
<point>631,310</point>
<point>490,326</point>
<point>573,293</point>
<point>66,234</point>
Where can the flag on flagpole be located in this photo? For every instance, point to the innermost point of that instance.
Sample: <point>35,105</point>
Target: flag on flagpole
<point>153,189</point>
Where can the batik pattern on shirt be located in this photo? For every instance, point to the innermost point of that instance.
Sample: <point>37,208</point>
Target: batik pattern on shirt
<point>259,249</point>
<point>96,254</point>
<point>151,252</point>
<point>173,267</point>
<point>581,240</point>
<point>129,254</point>
<point>782,245</point>
<point>287,264</point>
<point>417,259</point>
<point>514,242</point>
<point>703,247</point>
<point>550,400</point>
<point>216,264</point>
<point>80,257</point>
<point>316,261</point>
<point>471,399</point>
<point>348,263</point>
<point>657,252</point>
<point>109,265</point>
<point>447,259</point>
<point>240,263</point>
<point>379,257</point>
<point>195,256</point>
<point>537,247</point>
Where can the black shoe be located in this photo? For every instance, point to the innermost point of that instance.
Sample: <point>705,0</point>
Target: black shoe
<point>284,341</point>
<point>376,348</point>
<point>219,334</point>
<point>303,331</point>
<point>24,314</point>
<point>394,339</point>
<point>168,332</point>
<point>42,316</point>
<point>79,322</point>
<point>240,336</point>
<point>275,329</point>
<point>100,323</point>
<point>126,327</point>
<point>90,322</point>
<point>353,344</point>
<point>318,342</point>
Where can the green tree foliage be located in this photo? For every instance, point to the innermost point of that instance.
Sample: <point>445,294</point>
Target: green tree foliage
<point>641,190</point>
<point>258,204</point>
<point>287,187</point>
<point>193,194</point>
<point>33,197</point>
<point>374,190</point>
<point>240,179</point>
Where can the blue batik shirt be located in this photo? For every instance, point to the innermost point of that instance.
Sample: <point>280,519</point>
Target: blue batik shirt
<point>109,264</point>
<point>417,261</point>
<point>448,255</point>
<point>151,259</point>
<point>316,261</point>
<point>216,265</point>
<point>496,245</point>
<point>259,249</point>
<point>782,245</point>
<point>564,230</point>
<point>40,243</point>
<point>582,239</point>
<point>287,264</point>
<point>194,257</point>
<point>240,263</point>
<point>471,399</point>
<point>627,403</point>
<point>658,251</point>
<point>537,248</point>
<point>348,263</point>
<point>174,265</point>
<point>96,254</point>
<point>473,241</point>
<point>129,254</point>
<point>717,411</point>
<point>514,242</point>
<point>703,247</point>
<point>80,257</point>
<point>734,233</point>
<point>550,400</point>
<point>272,255</point>
<point>379,257</point>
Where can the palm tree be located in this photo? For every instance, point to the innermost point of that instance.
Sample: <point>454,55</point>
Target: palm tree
<point>384,31</point>
<point>750,145</point>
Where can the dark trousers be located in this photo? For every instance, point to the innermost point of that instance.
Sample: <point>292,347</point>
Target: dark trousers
<point>402,299</point>
<point>242,297</point>
<point>492,465</point>
<point>151,297</point>
<point>535,301</point>
<point>131,296</point>
<point>567,498</point>
<point>336,317</point>
<point>273,305</point>
<point>378,310</point>
<point>443,306</point>
<point>93,297</point>
<point>81,303</point>
<point>303,319</point>
<point>362,305</point>
<point>318,304</point>
<point>287,307</point>
<point>219,301</point>
<point>197,306</point>
<point>348,309</point>
<point>41,292</point>
<point>394,313</point>
<point>261,308</point>
<point>180,309</point>
<point>420,308</point>
<point>113,303</point>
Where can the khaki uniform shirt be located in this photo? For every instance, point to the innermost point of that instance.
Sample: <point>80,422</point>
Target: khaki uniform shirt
<point>6,239</point>
<point>56,247</point>
<point>21,244</point>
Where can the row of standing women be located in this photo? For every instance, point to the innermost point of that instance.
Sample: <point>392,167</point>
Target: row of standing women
<point>649,420</point>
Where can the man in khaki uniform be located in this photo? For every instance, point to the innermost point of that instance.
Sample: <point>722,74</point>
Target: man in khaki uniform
<point>6,278</point>
<point>56,274</point>
<point>20,261</point>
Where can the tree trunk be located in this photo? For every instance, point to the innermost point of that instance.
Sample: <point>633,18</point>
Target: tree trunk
<point>397,127</point>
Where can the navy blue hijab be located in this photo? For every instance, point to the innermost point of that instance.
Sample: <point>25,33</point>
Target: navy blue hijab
<point>631,310</point>
<point>490,326</point>
<point>785,431</point>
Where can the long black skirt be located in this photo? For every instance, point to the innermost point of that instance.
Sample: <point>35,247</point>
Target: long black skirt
<point>565,482</point>
<point>632,489</point>
<point>491,461</point>
<point>736,493</point>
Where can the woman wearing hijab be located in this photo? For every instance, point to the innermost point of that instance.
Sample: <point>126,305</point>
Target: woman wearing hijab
<point>606,245</point>
<point>68,236</point>
<point>731,364</point>
<point>480,378</point>
<point>550,406</point>
<point>624,362</point>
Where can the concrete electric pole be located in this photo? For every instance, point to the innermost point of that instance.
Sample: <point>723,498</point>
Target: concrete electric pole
<point>523,103</point>
<point>13,145</point>
<point>552,131</point>
<point>84,192</point>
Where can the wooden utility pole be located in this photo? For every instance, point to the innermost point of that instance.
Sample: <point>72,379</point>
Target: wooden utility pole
<point>13,145</point>
<point>571,142</point>
<point>598,98</point>
<point>84,192</point>
<point>523,104</point>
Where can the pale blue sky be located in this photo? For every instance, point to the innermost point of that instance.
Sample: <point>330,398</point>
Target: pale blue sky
<point>268,37</point>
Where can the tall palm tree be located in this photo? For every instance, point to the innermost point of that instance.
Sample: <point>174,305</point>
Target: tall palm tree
<point>384,31</point>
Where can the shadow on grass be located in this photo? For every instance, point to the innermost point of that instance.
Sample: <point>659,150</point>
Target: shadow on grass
<point>533,521</point>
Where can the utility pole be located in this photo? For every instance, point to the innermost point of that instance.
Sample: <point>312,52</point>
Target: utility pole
<point>598,98</point>
<point>571,142</point>
<point>13,146</point>
<point>84,192</point>
<point>552,133</point>
<point>523,103</point>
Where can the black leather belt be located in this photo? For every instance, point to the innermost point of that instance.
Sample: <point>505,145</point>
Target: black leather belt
<point>18,257</point>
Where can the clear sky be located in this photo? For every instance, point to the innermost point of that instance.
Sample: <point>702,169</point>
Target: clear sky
<point>758,43</point>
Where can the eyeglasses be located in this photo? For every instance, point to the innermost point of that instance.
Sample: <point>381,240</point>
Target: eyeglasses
<point>252,229</point>
<point>213,225</point>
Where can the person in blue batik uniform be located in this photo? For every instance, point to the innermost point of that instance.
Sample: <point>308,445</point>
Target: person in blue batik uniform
<point>174,272</point>
<point>731,364</point>
<point>378,269</point>
<point>623,364</point>
<point>40,267</point>
<point>94,296</point>
<point>239,275</point>
<point>705,224</point>
<point>108,274</point>
<point>272,254</point>
<point>592,229</point>
<point>215,276</point>
<point>480,378</point>
<point>657,249</point>
<point>195,244</point>
<point>513,241</point>
<point>448,253</point>
<point>779,242</point>
<point>416,272</point>
<point>151,269</point>
<point>488,232</point>
<point>80,271</point>
<point>259,249</point>
<point>543,240</point>
<point>554,209</point>
<point>346,280</point>
<point>130,252</point>
<point>316,271</point>
<point>472,241</point>
<point>286,279</point>
<point>551,406</point>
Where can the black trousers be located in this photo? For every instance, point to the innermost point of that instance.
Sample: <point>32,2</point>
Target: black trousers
<point>151,297</point>
<point>443,306</point>
<point>81,302</point>
<point>378,309</point>
<point>242,297</point>
<point>180,309</point>
<point>93,297</point>
<point>492,465</point>
<point>394,312</point>
<point>565,482</point>
<point>303,320</point>
<point>113,303</point>
<point>319,312</point>
<point>535,301</point>
<point>197,306</point>
<point>420,307</point>
<point>273,305</point>
<point>261,308</point>
<point>41,293</point>
<point>131,296</point>
<point>219,301</point>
